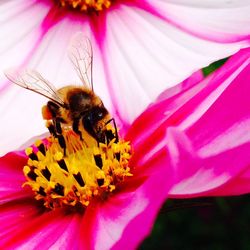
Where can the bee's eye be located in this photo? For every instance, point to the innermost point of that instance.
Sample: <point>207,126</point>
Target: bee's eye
<point>100,114</point>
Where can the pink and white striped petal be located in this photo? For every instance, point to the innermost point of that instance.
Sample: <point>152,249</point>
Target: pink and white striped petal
<point>139,67</point>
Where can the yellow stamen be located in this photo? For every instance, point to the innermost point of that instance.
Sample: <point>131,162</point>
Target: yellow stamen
<point>85,171</point>
<point>85,5</point>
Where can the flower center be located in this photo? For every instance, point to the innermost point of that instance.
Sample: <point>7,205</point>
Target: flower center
<point>85,5</point>
<point>86,171</point>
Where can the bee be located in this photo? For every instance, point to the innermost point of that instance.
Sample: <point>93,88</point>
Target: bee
<point>75,106</point>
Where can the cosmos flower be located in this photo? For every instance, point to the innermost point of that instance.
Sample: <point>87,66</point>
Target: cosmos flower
<point>195,142</point>
<point>140,49</point>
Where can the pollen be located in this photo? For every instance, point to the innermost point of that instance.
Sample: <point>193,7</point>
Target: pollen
<point>87,170</point>
<point>85,5</point>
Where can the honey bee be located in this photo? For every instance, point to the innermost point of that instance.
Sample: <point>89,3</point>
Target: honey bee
<point>75,106</point>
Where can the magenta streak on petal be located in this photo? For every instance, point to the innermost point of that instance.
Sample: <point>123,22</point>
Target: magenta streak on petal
<point>51,19</point>
<point>146,6</point>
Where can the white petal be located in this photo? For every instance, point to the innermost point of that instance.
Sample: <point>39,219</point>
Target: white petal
<point>144,55</point>
<point>218,20</point>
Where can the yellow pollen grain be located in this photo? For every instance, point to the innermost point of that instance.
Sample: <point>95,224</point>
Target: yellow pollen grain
<point>28,151</point>
<point>85,5</point>
<point>74,177</point>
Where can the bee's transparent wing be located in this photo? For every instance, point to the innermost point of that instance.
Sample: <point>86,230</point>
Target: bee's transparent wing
<point>32,80</point>
<point>81,55</point>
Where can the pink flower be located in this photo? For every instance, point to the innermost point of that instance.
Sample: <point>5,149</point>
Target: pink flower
<point>201,133</point>
<point>140,49</point>
<point>127,216</point>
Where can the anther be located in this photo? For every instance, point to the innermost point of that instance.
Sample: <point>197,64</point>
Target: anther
<point>79,179</point>
<point>59,189</point>
<point>32,175</point>
<point>118,156</point>
<point>41,191</point>
<point>42,148</point>
<point>98,160</point>
<point>86,5</point>
<point>33,156</point>
<point>46,173</point>
<point>100,182</point>
<point>62,165</point>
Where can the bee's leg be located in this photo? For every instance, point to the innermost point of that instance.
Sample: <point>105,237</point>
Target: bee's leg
<point>116,133</point>
<point>62,143</point>
<point>53,108</point>
<point>51,128</point>
<point>58,129</point>
<point>75,128</point>
<point>58,126</point>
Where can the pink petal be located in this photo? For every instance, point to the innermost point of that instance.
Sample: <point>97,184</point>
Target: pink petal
<point>55,230</point>
<point>219,132</point>
<point>207,129</point>
<point>221,21</point>
<point>202,176</point>
<point>12,178</point>
<point>127,217</point>
<point>238,185</point>
<point>14,215</point>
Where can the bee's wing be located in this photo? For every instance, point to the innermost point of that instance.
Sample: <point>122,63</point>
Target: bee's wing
<point>32,80</point>
<point>81,55</point>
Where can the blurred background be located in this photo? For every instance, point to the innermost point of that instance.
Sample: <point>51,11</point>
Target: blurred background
<point>204,224</point>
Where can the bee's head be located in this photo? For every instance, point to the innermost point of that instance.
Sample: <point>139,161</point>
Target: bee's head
<point>94,122</point>
<point>96,114</point>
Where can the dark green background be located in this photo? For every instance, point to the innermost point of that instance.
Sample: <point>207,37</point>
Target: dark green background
<point>211,224</point>
<point>204,224</point>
